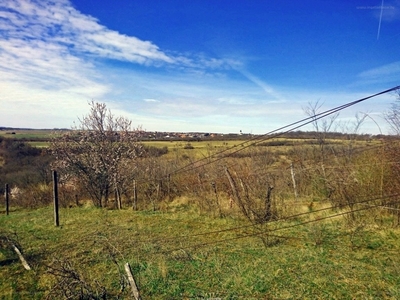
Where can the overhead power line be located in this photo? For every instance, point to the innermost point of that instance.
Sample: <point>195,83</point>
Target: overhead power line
<point>277,132</point>
<point>268,232</point>
<point>180,238</point>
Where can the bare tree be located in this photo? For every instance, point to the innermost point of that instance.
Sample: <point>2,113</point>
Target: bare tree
<point>97,151</point>
<point>321,125</point>
<point>392,117</point>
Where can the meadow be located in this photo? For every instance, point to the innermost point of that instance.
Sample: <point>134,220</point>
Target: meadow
<point>180,253</point>
<point>284,218</point>
<point>27,134</point>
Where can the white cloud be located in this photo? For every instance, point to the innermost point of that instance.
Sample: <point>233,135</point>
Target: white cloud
<point>47,46</point>
<point>205,101</point>
<point>48,75</point>
<point>59,23</point>
<point>45,60</point>
<point>382,71</point>
<point>38,108</point>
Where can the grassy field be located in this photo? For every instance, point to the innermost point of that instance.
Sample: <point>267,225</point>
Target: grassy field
<point>201,148</point>
<point>196,148</point>
<point>178,253</point>
<point>35,137</point>
<point>40,137</point>
<point>189,249</point>
<point>27,134</point>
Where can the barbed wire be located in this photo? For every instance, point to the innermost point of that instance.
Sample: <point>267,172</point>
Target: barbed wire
<point>252,225</point>
<point>268,232</point>
<point>287,128</point>
<point>229,151</point>
<point>306,166</point>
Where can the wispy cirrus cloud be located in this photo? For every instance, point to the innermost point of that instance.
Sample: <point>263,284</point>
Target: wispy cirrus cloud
<point>51,51</point>
<point>46,44</point>
<point>388,73</point>
<point>52,63</point>
<point>382,71</point>
<point>57,22</point>
<point>269,90</point>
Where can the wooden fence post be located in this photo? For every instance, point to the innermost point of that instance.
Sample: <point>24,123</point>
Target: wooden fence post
<point>158,193</point>
<point>134,195</point>
<point>235,192</point>
<point>21,257</point>
<point>268,213</point>
<point>135,290</point>
<point>117,194</point>
<point>169,187</point>
<point>6,196</point>
<point>294,181</point>
<point>55,195</point>
<point>216,198</point>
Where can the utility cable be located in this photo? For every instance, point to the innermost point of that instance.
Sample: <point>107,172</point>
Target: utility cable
<point>180,237</point>
<point>298,124</point>
<point>273,230</point>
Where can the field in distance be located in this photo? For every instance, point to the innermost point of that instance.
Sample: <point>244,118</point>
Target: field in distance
<point>205,142</point>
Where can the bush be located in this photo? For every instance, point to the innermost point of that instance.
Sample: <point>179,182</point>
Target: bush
<point>24,166</point>
<point>155,151</point>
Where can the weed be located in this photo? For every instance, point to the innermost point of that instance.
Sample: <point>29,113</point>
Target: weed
<point>176,255</point>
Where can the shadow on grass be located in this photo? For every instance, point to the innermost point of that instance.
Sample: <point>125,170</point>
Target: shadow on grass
<point>33,260</point>
<point>8,261</point>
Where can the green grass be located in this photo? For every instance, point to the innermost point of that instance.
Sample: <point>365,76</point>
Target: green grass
<point>205,148</point>
<point>195,144</point>
<point>197,149</point>
<point>39,144</point>
<point>31,134</point>
<point>171,258</point>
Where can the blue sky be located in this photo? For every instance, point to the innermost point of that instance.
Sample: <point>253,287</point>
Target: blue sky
<point>199,65</point>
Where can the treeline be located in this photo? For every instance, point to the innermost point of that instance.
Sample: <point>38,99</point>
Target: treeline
<point>14,134</point>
